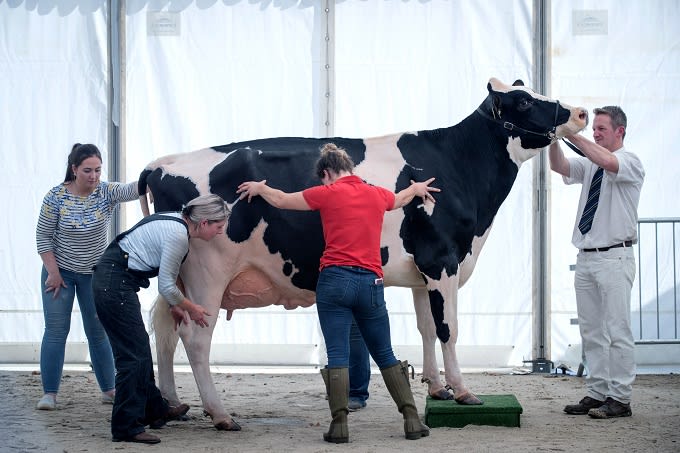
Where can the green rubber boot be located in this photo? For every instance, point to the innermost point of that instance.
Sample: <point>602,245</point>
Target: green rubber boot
<point>337,389</point>
<point>396,380</point>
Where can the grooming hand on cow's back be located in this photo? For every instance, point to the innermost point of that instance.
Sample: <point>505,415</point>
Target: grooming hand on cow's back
<point>271,256</point>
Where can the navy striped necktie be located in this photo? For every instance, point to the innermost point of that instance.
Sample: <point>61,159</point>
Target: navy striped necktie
<point>589,209</point>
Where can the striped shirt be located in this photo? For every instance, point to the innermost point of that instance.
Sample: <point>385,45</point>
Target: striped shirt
<point>159,244</point>
<point>74,228</point>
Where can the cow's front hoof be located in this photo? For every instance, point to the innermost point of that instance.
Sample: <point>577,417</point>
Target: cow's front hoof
<point>228,425</point>
<point>468,399</point>
<point>442,394</point>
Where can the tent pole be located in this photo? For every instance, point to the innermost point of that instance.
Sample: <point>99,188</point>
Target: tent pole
<point>116,102</point>
<point>328,76</point>
<point>541,183</point>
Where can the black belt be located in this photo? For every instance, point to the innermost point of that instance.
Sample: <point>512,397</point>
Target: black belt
<point>354,268</point>
<point>615,246</point>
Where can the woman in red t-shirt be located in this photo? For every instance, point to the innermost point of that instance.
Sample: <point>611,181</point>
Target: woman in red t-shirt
<point>351,279</point>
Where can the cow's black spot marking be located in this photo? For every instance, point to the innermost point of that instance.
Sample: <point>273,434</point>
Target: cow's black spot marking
<point>384,255</point>
<point>170,192</point>
<point>437,309</point>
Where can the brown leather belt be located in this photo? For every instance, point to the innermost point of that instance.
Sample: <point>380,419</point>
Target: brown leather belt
<point>604,249</point>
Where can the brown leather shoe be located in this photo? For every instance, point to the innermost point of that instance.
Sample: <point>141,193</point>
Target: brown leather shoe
<point>173,413</point>
<point>610,409</point>
<point>141,438</point>
<point>583,406</point>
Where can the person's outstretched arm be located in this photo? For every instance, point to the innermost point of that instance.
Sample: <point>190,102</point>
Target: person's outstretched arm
<point>274,197</point>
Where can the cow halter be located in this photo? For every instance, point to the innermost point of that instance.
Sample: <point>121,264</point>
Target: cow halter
<point>549,134</point>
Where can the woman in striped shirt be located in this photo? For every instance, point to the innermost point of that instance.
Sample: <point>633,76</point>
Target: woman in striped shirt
<point>70,237</point>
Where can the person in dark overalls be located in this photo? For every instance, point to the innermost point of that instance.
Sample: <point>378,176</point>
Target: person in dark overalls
<point>155,247</point>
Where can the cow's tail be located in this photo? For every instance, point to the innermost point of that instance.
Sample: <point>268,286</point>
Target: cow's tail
<point>163,328</point>
<point>143,189</point>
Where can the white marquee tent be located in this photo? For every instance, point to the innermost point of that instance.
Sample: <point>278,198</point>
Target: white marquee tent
<point>146,78</point>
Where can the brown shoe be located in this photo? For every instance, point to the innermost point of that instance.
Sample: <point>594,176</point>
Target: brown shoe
<point>610,409</point>
<point>141,438</point>
<point>583,406</point>
<point>173,413</point>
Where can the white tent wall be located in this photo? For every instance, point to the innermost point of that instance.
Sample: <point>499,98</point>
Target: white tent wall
<point>234,70</point>
<point>233,73</point>
<point>395,70</point>
<point>623,53</point>
<point>404,66</point>
<point>53,93</point>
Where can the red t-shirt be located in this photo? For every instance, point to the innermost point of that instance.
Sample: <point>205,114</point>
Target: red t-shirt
<point>352,213</point>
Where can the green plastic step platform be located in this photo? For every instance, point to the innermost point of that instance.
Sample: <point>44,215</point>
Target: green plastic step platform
<point>497,410</point>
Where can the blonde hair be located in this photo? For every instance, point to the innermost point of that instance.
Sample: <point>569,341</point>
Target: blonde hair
<point>206,207</point>
<point>333,159</point>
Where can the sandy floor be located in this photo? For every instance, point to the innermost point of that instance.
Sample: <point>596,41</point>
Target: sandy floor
<point>288,412</point>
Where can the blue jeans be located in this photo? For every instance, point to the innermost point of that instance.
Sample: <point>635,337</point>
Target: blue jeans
<point>138,401</point>
<point>57,314</point>
<point>344,292</point>
<point>359,365</point>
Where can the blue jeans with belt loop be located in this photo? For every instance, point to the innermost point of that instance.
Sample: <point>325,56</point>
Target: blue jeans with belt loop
<point>343,292</point>
<point>57,314</point>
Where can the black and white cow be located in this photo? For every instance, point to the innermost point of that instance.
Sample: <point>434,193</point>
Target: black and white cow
<point>271,256</point>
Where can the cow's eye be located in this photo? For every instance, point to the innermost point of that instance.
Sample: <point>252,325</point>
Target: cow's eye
<point>524,104</point>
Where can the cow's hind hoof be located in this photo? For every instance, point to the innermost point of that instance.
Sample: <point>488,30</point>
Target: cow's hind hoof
<point>442,394</point>
<point>230,425</point>
<point>469,399</point>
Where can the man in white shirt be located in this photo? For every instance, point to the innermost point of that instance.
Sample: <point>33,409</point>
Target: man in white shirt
<point>604,232</point>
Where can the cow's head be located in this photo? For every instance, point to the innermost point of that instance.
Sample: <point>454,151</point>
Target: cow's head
<point>529,120</point>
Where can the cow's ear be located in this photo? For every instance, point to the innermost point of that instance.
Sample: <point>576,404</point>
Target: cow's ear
<point>518,83</point>
<point>496,109</point>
